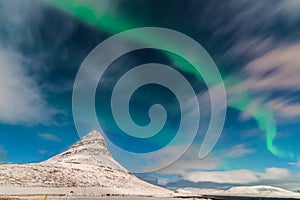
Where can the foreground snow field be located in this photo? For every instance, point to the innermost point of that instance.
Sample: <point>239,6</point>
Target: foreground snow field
<point>248,191</point>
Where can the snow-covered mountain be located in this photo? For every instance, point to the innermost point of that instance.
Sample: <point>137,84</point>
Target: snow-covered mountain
<point>86,164</point>
<point>247,191</point>
<point>260,190</point>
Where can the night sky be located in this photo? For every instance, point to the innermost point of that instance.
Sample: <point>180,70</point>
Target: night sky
<point>255,45</point>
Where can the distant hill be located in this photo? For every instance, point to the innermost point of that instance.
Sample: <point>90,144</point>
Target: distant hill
<point>248,191</point>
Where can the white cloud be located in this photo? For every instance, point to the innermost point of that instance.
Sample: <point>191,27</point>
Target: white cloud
<point>42,152</point>
<point>239,176</point>
<point>285,107</point>
<point>50,137</point>
<point>222,176</point>
<point>240,14</point>
<point>291,7</point>
<point>278,69</point>
<point>273,60</point>
<point>186,163</point>
<point>275,174</point>
<point>163,181</point>
<point>21,101</point>
<point>297,164</point>
<point>190,161</point>
<point>249,47</point>
<point>238,151</point>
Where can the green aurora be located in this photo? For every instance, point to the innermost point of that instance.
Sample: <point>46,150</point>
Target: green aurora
<point>88,12</point>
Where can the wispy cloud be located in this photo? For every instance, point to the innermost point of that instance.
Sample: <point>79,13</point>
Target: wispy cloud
<point>270,176</point>
<point>286,108</point>
<point>50,137</point>
<point>297,164</point>
<point>222,176</point>
<point>269,12</point>
<point>272,64</point>
<point>278,69</point>
<point>42,152</point>
<point>190,161</point>
<point>23,89</point>
<point>238,151</point>
<point>21,100</point>
<point>239,176</point>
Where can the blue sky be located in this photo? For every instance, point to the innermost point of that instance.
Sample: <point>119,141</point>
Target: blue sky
<point>255,44</point>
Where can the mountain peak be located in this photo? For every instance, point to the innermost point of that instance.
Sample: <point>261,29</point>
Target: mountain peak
<point>91,149</point>
<point>93,135</point>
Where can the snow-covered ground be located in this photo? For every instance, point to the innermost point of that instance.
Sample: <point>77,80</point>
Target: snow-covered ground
<point>247,191</point>
<point>75,191</point>
<point>87,167</point>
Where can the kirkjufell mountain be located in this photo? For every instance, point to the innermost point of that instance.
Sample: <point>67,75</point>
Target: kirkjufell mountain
<point>86,164</point>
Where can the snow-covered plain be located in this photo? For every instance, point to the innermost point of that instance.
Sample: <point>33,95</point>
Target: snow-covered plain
<point>248,191</point>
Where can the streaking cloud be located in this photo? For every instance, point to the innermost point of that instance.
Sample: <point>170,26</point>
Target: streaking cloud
<point>239,100</point>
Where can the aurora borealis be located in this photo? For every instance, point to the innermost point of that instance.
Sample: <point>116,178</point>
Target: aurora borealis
<point>88,11</point>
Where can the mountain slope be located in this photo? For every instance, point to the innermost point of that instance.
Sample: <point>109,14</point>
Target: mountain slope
<point>261,190</point>
<point>87,163</point>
